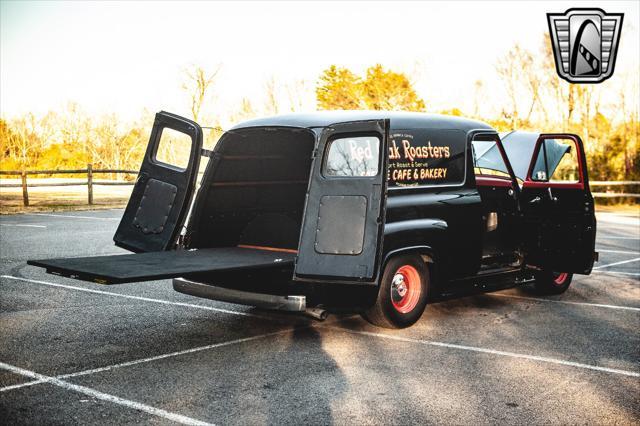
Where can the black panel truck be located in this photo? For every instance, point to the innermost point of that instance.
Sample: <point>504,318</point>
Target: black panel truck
<point>372,212</point>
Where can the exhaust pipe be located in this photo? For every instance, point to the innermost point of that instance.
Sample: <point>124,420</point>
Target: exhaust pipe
<point>264,301</point>
<point>317,313</point>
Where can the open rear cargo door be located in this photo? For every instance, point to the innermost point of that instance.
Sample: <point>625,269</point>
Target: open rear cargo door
<point>163,190</point>
<point>341,234</point>
<point>119,269</point>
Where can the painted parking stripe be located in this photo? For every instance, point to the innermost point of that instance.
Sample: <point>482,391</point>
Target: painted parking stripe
<point>144,299</point>
<point>22,225</point>
<point>566,302</point>
<point>603,237</point>
<point>622,262</point>
<point>618,251</point>
<point>426,342</point>
<point>490,352</point>
<point>178,418</point>
<point>153,358</point>
<point>73,216</point>
<point>633,274</point>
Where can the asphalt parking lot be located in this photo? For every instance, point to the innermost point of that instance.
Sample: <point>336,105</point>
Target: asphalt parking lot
<point>75,352</point>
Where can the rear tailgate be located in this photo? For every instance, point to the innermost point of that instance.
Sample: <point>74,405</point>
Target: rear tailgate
<point>118,269</point>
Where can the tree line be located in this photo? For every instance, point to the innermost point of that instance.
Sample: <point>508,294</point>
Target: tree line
<point>536,99</point>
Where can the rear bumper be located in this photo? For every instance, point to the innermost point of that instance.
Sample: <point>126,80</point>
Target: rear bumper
<point>260,300</point>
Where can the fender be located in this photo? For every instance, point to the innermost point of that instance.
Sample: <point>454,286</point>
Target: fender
<point>426,252</point>
<point>414,233</point>
<point>420,236</point>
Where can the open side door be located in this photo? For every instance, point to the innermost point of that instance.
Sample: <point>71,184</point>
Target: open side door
<point>558,208</point>
<point>341,238</point>
<point>498,187</point>
<point>164,187</point>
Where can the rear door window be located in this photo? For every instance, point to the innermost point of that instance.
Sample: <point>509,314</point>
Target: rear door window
<point>174,148</point>
<point>352,157</point>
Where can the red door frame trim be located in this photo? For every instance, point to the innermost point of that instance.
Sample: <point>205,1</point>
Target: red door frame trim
<point>528,183</point>
<point>486,180</point>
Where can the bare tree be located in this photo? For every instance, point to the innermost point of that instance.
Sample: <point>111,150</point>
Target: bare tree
<point>507,68</point>
<point>296,91</point>
<point>271,101</point>
<point>533,79</point>
<point>629,128</point>
<point>524,80</point>
<point>74,129</point>
<point>478,96</point>
<point>113,147</point>
<point>198,82</point>
<point>245,112</point>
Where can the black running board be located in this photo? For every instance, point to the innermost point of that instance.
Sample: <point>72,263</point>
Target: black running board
<point>119,269</point>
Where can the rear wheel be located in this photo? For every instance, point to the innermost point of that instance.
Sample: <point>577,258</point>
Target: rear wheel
<point>548,282</point>
<point>402,294</point>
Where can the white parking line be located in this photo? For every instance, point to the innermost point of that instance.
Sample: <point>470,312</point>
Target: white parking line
<point>73,216</point>
<point>600,237</point>
<point>153,358</point>
<point>618,251</point>
<point>178,418</point>
<point>425,342</point>
<point>633,274</point>
<point>567,302</point>
<point>490,351</point>
<point>617,263</point>
<point>21,225</point>
<point>144,299</point>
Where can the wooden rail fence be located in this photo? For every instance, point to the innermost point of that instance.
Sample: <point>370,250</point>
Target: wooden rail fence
<point>616,183</point>
<point>90,171</point>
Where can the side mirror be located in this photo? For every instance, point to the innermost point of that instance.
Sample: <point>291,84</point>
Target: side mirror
<point>540,176</point>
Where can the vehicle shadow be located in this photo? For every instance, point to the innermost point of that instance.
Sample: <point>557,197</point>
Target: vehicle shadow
<point>502,388</point>
<point>289,380</point>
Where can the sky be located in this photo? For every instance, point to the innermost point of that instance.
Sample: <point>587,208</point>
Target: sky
<point>124,57</point>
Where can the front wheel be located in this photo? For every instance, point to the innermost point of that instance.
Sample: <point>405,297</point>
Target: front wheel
<point>548,282</point>
<point>402,294</point>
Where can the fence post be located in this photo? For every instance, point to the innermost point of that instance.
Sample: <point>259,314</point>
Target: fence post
<point>25,193</point>
<point>90,183</point>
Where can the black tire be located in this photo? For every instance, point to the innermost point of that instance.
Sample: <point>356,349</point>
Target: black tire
<point>393,309</point>
<point>548,282</point>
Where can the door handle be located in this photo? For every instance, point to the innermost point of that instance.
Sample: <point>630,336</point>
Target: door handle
<point>535,200</point>
<point>551,197</point>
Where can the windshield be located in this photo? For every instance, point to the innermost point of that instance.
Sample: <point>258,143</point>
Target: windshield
<point>488,161</point>
<point>519,147</point>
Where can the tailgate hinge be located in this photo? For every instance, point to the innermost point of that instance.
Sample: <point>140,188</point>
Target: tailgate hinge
<point>206,152</point>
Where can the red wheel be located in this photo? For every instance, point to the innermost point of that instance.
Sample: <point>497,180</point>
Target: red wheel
<point>559,278</point>
<point>406,288</point>
<point>552,282</point>
<point>402,294</point>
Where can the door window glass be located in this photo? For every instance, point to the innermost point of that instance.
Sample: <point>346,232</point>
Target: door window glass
<point>487,159</point>
<point>174,148</point>
<point>556,161</point>
<point>350,157</point>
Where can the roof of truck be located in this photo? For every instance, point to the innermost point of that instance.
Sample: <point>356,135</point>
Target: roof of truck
<point>399,120</point>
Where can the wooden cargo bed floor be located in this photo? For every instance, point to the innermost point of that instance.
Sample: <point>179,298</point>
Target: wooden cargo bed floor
<point>118,269</point>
